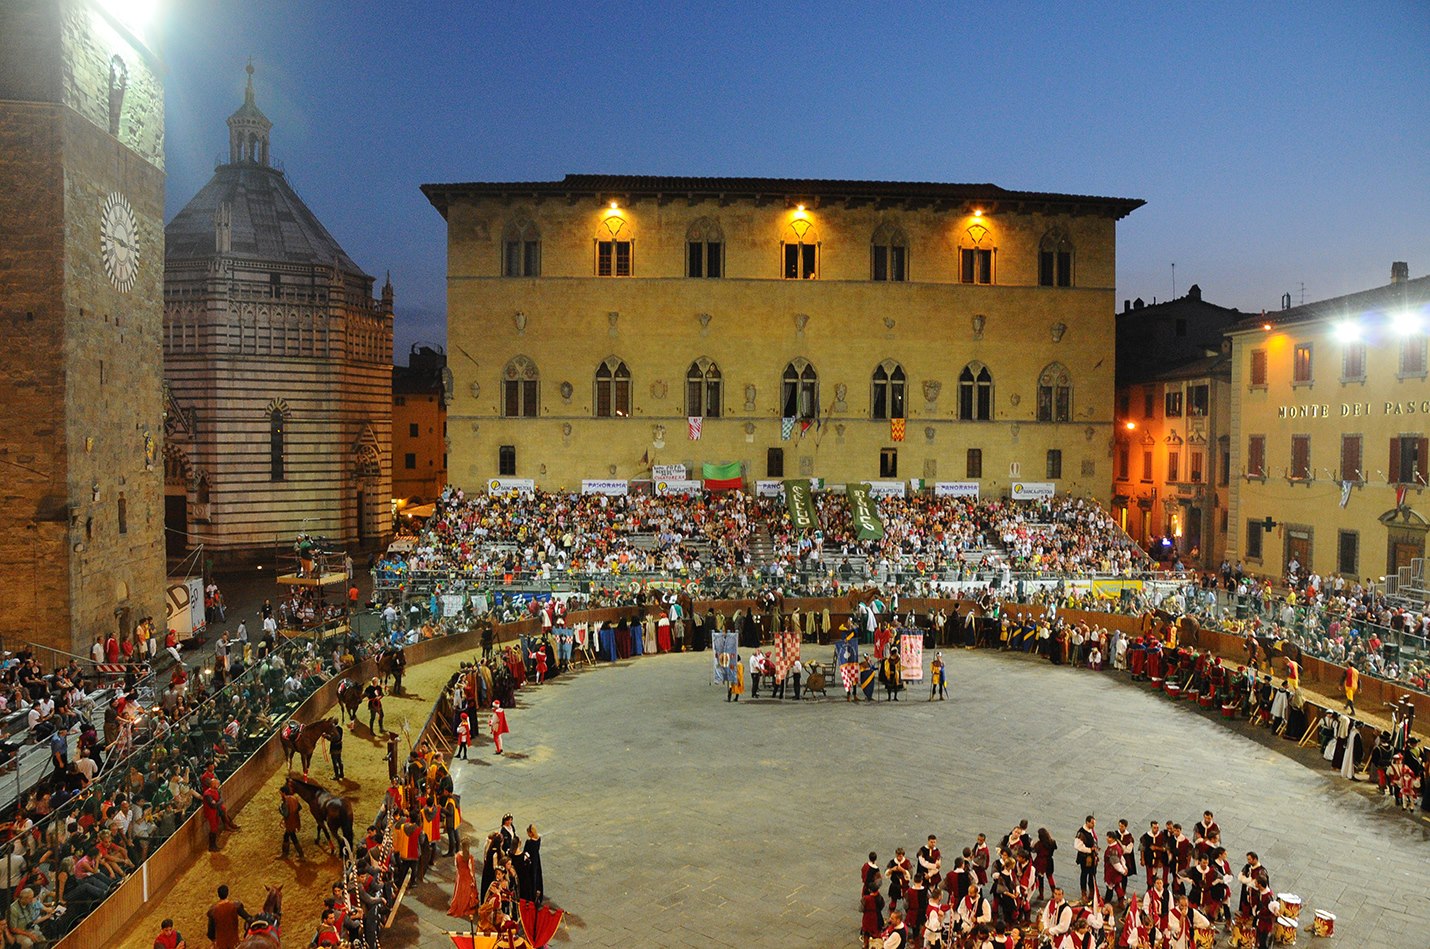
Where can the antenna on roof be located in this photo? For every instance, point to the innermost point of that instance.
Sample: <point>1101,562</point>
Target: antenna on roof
<point>1174,281</point>
<point>1303,293</point>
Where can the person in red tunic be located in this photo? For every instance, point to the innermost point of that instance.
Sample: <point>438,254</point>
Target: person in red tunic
<point>169,937</point>
<point>662,633</point>
<point>1114,869</point>
<point>498,725</point>
<point>872,903</point>
<point>213,811</point>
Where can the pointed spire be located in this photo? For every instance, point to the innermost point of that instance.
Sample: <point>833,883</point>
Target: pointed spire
<point>248,128</point>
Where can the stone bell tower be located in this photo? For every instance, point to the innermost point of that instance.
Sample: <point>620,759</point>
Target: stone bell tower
<point>81,305</point>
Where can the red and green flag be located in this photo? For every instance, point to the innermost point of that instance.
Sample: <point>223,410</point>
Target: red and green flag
<point>723,477</point>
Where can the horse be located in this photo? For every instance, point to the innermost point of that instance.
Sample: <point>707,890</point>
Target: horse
<point>303,739</point>
<point>390,665</point>
<point>265,930</point>
<point>349,698</point>
<point>332,814</point>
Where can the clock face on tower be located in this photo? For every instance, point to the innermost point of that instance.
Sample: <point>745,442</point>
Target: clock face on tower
<point>119,242</point>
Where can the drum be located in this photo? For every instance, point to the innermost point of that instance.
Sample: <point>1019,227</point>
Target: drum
<point>1205,938</point>
<point>1243,936</point>
<point>1285,931</point>
<point>1228,710</point>
<point>1290,905</point>
<point>1174,691</point>
<point>1207,701</point>
<point>1324,924</point>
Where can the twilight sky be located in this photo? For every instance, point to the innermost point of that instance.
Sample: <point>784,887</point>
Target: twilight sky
<point>1275,144</point>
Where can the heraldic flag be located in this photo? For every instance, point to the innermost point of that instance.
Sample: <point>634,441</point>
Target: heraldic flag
<point>896,429</point>
<point>696,424</point>
<point>724,477</point>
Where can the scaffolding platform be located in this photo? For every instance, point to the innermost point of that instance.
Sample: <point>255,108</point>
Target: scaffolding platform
<point>321,580</point>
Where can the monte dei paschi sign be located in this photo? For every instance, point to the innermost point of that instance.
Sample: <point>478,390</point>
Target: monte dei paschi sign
<point>1353,409</point>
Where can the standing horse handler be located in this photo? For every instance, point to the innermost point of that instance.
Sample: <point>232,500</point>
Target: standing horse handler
<point>292,810</point>
<point>374,694</point>
<point>498,725</point>
<point>335,751</point>
<point>215,813</point>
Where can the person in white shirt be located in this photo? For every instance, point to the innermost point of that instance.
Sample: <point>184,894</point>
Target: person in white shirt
<point>1057,915</point>
<point>797,671</point>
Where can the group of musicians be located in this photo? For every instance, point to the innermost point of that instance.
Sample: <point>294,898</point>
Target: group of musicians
<point>985,899</point>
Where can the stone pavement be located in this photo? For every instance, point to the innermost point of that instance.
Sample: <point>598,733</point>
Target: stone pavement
<point>673,818</point>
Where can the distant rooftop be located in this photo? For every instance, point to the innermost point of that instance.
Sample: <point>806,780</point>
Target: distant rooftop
<point>1402,292</point>
<point>787,190</point>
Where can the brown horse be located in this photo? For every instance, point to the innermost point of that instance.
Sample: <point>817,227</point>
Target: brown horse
<point>265,931</point>
<point>390,665</point>
<point>349,698</point>
<point>303,739</point>
<point>332,814</point>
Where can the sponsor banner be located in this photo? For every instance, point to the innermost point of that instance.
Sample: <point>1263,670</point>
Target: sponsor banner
<point>452,604</point>
<point>679,486</point>
<point>668,472</point>
<point>888,489</point>
<point>955,489</point>
<point>185,600</point>
<point>867,525</point>
<point>1032,490</point>
<point>769,489</point>
<point>800,505</point>
<point>511,486</point>
<point>590,486</point>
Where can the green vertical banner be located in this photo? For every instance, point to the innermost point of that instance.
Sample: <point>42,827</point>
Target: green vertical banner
<point>800,504</point>
<point>867,525</point>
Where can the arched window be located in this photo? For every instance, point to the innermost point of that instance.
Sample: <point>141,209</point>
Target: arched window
<point>889,254</point>
<point>521,249</point>
<point>975,393</point>
<point>519,392</point>
<point>1055,394</point>
<point>888,394</point>
<point>800,250</point>
<point>1055,259</point>
<point>799,390</point>
<point>613,389</point>
<point>615,250</point>
<point>705,249</point>
<point>276,425</point>
<point>703,389</point>
<point>123,514</point>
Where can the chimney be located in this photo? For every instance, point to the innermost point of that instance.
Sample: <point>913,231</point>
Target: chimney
<point>1399,271</point>
<point>1126,305</point>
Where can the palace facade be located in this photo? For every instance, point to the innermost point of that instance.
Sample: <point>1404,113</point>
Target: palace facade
<point>846,330</point>
<point>1171,466</point>
<point>1330,411</point>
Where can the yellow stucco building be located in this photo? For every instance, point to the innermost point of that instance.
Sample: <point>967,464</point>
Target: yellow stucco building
<point>847,330</point>
<point>1330,410</point>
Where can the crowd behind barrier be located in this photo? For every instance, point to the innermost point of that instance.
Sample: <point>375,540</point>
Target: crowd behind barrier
<point>76,837</point>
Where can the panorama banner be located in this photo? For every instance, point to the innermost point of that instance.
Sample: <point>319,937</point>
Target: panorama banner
<point>613,488</point>
<point>769,489</point>
<point>955,489</point>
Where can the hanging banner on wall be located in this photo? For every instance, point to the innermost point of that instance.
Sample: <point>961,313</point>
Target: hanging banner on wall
<point>668,472</point>
<point>888,489</point>
<point>955,489</point>
<point>800,505</point>
<point>867,525</point>
<point>769,489</point>
<point>1032,490</point>
<point>511,486</point>
<point>679,487</point>
<point>614,488</point>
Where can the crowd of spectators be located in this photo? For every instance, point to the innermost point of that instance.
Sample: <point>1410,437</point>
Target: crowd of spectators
<point>92,820</point>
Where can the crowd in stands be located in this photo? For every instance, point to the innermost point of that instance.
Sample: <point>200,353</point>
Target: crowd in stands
<point>165,748</point>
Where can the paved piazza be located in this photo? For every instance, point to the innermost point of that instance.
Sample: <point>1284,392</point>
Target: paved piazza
<point>673,818</point>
